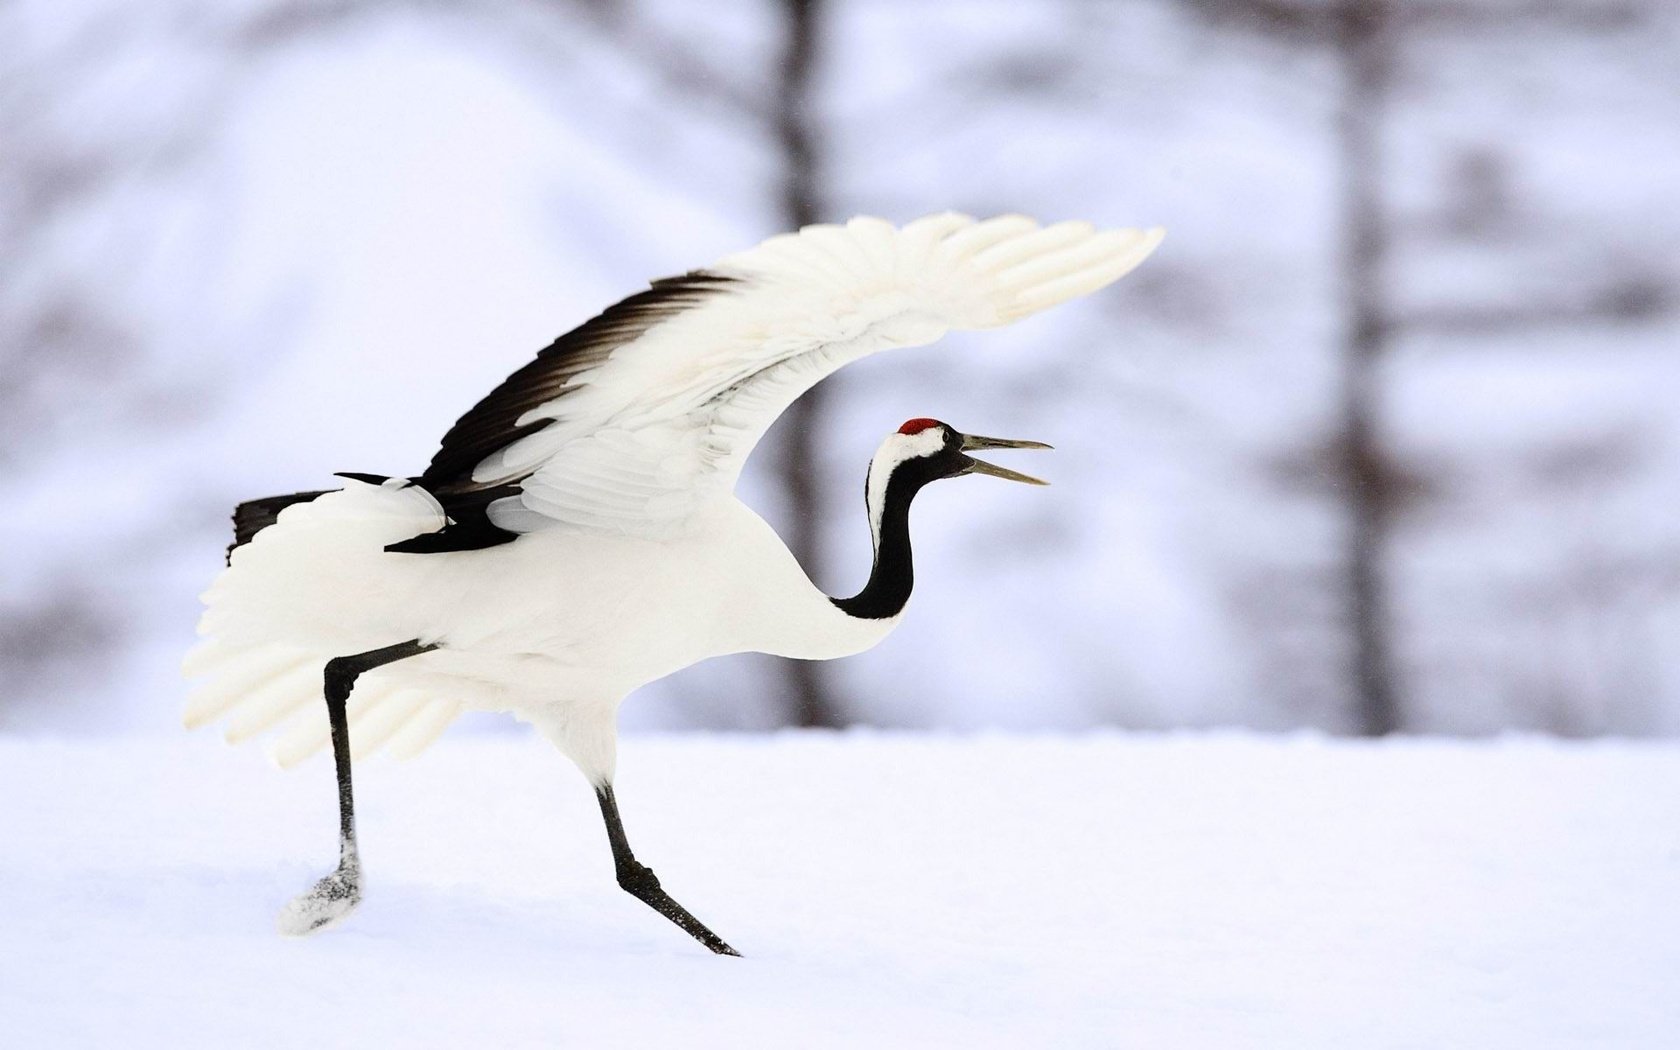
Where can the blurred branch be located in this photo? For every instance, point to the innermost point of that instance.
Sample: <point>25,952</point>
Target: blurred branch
<point>1302,22</point>
<point>1598,15</point>
<point>683,72</point>
<point>282,25</point>
<point>65,350</point>
<point>1632,302</point>
<point>1316,20</point>
<point>70,632</point>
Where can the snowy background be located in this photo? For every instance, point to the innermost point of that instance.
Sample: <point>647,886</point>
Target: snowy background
<point>1383,437</point>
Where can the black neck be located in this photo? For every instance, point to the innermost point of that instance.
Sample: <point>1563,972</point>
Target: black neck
<point>892,576</point>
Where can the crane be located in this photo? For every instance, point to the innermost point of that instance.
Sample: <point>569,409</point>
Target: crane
<point>577,535</point>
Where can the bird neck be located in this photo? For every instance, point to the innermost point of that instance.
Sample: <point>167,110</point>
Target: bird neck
<point>892,575</point>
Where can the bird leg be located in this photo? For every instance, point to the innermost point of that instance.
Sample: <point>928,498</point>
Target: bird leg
<point>332,898</point>
<point>639,881</point>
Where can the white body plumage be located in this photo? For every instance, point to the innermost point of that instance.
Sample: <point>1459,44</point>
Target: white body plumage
<point>556,628</point>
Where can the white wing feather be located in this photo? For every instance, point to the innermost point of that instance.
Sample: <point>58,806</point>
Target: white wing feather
<point>665,423</point>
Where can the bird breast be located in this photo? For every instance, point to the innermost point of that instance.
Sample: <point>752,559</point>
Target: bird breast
<point>643,608</point>
<point>563,613</point>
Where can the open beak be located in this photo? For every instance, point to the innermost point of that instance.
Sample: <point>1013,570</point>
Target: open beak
<point>976,443</point>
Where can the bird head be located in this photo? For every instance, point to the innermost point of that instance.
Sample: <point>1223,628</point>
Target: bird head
<point>924,450</point>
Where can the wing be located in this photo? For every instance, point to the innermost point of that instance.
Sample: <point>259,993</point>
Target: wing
<point>634,421</point>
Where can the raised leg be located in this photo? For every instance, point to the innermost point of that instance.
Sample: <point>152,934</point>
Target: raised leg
<point>335,896</point>
<point>640,882</point>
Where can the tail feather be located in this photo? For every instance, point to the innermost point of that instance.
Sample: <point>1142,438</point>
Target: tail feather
<point>202,657</point>
<point>233,681</point>
<point>254,690</point>
<point>287,605</point>
<point>424,727</point>
<point>271,703</point>
<point>380,723</point>
<point>253,516</point>
<point>307,734</point>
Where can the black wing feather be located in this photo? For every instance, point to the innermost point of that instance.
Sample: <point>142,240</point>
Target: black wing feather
<point>492,424</point>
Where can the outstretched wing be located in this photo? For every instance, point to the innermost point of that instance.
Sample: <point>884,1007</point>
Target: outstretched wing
<point>635,420</point>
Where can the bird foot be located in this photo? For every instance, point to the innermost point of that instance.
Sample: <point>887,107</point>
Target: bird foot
<point>326,904</point>
<point>640,881</point>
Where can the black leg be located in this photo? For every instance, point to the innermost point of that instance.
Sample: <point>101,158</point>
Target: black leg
<point>333,897</point>
<point>640,882</point>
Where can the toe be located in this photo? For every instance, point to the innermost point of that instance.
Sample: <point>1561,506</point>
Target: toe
<point>326,904</point>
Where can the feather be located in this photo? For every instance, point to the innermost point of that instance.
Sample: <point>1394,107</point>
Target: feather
<point>635,421</point>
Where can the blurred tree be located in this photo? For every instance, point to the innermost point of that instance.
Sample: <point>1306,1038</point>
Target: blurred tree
<point>1375,39</point>
<point>809,683</point>
<point>1372,39</point>
<point>1362,35</point>
<point>84,161</point>
<point>1354,460</point>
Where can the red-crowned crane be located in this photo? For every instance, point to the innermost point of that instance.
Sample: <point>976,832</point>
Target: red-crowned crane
<point>577,535</point>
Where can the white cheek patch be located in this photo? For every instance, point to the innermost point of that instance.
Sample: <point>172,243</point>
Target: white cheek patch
<point>893,451</point>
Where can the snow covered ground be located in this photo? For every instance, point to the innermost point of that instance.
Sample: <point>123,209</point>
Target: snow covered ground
<point>886,890</point>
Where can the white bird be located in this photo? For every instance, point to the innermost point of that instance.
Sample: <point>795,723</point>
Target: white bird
<point>577,534</point>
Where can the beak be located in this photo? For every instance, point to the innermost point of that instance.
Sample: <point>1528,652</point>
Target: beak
<point>976,443</point>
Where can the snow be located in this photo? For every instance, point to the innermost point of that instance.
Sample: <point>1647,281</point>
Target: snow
<point>886,889</point>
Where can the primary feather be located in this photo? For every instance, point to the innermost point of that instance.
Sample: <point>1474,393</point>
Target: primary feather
<point>652,408</point>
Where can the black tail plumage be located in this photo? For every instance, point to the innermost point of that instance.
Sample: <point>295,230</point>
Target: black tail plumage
<point>256,515</point>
